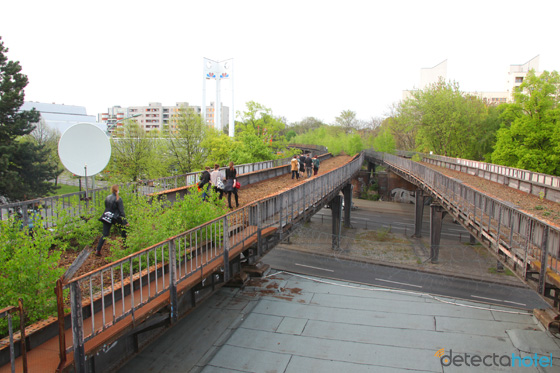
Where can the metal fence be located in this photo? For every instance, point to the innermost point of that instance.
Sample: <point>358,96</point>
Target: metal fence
<point>8,313</point>
<point>124,289</point>
<point>511,232</point>
<point>46,210</point>
<point>539,184</point>
<point>318,149</point>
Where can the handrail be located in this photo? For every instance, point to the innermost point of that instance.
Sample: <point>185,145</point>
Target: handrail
<point>77,203</point>
<point>45,209</point>
<point>159,270</point>
<point>7,313</point>
<point>536,183</point>
<point>520,236</point>
<point>319,148</point>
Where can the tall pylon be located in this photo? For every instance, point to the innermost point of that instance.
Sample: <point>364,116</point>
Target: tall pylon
<point>218,70</point>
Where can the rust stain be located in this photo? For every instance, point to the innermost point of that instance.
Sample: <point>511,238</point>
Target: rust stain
<point>283,297</point>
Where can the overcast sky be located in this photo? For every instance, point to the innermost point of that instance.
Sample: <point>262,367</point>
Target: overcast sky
<point>299,58</point>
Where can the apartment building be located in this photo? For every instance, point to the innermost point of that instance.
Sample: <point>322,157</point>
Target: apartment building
<point>155,116</point>
<point>517,73</point>
<point>514,78</point>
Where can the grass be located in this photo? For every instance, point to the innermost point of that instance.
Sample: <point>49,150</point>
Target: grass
<point>65,189</point>
<point>380,235</point>
<point>505,272</point>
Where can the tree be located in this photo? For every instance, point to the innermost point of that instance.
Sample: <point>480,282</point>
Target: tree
<point>48,138</point>
<point>131,154</point>
<point>249,147</point>
<point>384,141</point>
<point>305,125</point>
<point>24,168</point>
<point>218,145</point>
<point>185,141</point>
<point>445,126</point>
<point>372,124</point>
<point>347,120</point>
<point>259,119</point>
<point>443,120</point>
<point>404,123</point>
<point>334,138</point>
<point>530,135</point>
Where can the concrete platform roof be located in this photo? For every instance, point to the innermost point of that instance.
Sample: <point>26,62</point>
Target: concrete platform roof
<point>292,323</point>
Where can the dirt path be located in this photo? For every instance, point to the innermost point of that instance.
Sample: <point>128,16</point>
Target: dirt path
<point>543,209</point>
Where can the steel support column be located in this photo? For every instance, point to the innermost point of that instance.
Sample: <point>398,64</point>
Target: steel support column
<point>419,213</point>
<point>544,261</point>
<point>347,192</point>
<point>77,328</point>
<point>336,210</point>
<point>173,299</point>
<point>371,168</point>
<point>437,214</point>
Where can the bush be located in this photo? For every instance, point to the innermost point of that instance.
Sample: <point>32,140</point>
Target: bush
<point>28,269</point>
<point>29,259</point>
<point>155,220</point>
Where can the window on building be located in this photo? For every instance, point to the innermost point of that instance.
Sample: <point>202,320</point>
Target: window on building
<point>519,79</point>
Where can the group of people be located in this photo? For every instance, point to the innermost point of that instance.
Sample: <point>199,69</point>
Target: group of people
<point>213,179</point>
<point>114,203</point>
<point>304,164</point>
<point>115,206</point>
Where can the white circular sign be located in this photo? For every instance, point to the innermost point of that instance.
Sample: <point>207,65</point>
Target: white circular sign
<point>84,149</point>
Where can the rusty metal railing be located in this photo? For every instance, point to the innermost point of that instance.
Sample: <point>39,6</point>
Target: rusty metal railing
<point>77,204</point>
<point>539,184</point>
<point>8,313</point>
<point>521,237</point>
<point>122,290</point>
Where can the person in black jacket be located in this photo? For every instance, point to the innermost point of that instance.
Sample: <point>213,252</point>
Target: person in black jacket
<point>204,179</point>
<point>231,175</point>
<point>301,164</point>
<point>308,165</point>
<point>114,204</point>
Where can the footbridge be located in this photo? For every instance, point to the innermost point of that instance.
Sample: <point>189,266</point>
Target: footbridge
<point>527,245</point>
<point>118,308</point>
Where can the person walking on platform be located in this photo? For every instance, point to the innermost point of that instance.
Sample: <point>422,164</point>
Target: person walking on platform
<point>301,165</point>
<point>113,214</point>
<point>230,185</point>
<point>308,165</point>
<point>295,167</point>
<point>216,180</point>
<point>316,164</point>
<point>204,179</point>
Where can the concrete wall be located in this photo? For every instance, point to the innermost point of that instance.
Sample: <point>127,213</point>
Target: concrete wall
<point>360,183</point>
<point>387,181</point>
